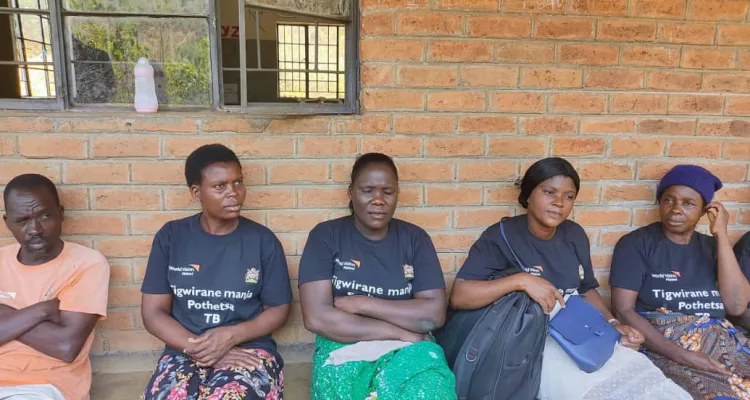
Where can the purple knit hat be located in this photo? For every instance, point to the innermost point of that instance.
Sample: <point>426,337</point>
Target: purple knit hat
<point>697,178</point>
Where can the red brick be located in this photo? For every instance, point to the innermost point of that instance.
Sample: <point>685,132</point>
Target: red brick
<point>745,217</point>
<point>126,199</point>
<point>486,124</point>
<point>704,58</point>
<point>410,196</point>
<point>731,128</point>
<point>687,33</point>
<point>645,216</point>
<point>564,28</point>
<point>734,194</point>
<point>265,147</point>
<point>424,124</point>
<point>734,35</point>
<point>551,78</point>
<point>74,198</point>
<point>322,196</point>
<point>128,341</point>
<point>7,145</point>
<point>744,59</point>
<point>456,101</point>
<point>738,106</point>
<point>460,51</point>
<point>620,193</point>
<point>483,76</point>
<point>429,23</point>
<point>588,217</point>
<point>694,149</point>
<point>517,102</point>
<point>426,219</point>
<point>327,146</point>
<point>577,147</point>
<point>486,170</point>
<point>77,224</point>
<point>589,54</point>
<point>628,147</point>
<point>261,198</point>
<point>584,103</point>
<point>598,7</point>
<point>392,100</point>
<point>502,195</point>
<point>455,147</point>
<point>124,247</point>
<point>290,221</point>
<point>298,125</point>
<point>533,6</point>
<point>427,76</point>
<point>727,82</point>
<point>391,50</point>
<point>659,8</point>
<point>91,172</point>
<point>651,56</point>
<point>614,79</point>
<point>454,241</point>
<point>52,146</point>
<point>232,124</point>
<point>162,125</point>
<point>524,52</point>
<point>25,124</point>
<point>425,171</point>
<point>605,171</point>
<point>377,23</point>
<point>470,5</point>
<point>341,171</point>
<point>624,30</point>
<point>454,195</point>
<point>372,75</point>
<point>610,239</point>
<point>667,126</point>
<point>124,295</point>
<point>158,172</point>
<point>692,104</point>
<point>549,125</point>
<point>724,10</point>
<point>139,270</point>
<point>394,4</point>
<point>727,173</point>
<point>395,147</point>
<point>480,218</point>
<point>653,170</point>
<point>119,146</point>
<point>121,320</point>
<point>737,151</point>
<point>369,123</point>
<point>674,81</point>
<point>150,223</point>
<point>298,172</point>
<point>107,125</point>
<point>639,103</point>
<point>607,125</point>
<point>11,169</point>
<point>495,26</point>
<point>517,147</point>
<point>181,147</point>
<point>177,199</point>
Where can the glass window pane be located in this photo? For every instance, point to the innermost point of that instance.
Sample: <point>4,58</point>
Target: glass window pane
<point>193,7</point>
<point>104,51</point>
<point>30,4</point>
<point>21,41</point>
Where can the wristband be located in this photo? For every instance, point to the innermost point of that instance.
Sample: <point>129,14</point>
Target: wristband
<point>613,321</point>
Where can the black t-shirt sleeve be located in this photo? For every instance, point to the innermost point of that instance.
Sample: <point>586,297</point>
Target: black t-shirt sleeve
<point>628,265</point>
<point>155,281</point>
<point>583,246</point>
<point>317,257</point>
<point>742,251</point>
<point>485,258</point>
<point>427,272</point>
<point>275,288</point>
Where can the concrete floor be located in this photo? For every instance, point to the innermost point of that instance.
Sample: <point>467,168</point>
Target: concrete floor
<point>130,385</point>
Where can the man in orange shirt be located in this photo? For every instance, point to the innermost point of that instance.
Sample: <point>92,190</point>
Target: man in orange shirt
<point>52,293</point>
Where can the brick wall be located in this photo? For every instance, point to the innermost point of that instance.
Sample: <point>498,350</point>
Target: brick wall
<point>466,94</point>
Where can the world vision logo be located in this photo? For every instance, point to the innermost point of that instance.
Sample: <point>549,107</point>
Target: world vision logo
<point>672,276</point>
<point>190,270</point>
<point>351,265</point>
<point>535,270</point>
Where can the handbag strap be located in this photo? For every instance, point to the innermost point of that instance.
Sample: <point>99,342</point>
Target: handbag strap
<point>507,243</point>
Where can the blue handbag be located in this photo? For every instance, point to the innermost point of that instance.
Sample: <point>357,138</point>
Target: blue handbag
<point>580,329</point>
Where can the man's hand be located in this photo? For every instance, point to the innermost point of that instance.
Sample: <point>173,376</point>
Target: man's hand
<point>49,310</point>
<point>211,346</point>
<point>239,358</point>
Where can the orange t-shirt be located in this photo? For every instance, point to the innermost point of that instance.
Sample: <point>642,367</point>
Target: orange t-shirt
<point>79,278</point>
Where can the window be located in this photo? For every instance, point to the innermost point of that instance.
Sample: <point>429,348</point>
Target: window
<point>274,56</point>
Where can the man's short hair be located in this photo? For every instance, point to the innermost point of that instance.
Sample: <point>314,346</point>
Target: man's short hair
<point>27,182</point>
<point>204,156</point>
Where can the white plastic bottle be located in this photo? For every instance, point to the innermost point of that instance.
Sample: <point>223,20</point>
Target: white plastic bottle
<point>145,89</point>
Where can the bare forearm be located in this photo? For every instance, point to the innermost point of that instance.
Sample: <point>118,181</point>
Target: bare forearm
<point>733,285</point>
<point>343,327</point>
<point>595,299</point>
<point>14,323</point>
<point>655,341</point>
<point>264,324</point>
<point>162,325</point>
<point>415,315</point>
<point>471,295</point>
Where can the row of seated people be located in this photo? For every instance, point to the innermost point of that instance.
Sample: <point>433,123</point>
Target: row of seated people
<point>217,287</point>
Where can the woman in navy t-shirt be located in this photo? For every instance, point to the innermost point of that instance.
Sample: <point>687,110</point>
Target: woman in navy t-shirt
<point>216,288</point>
<point>677,286</point>
<point>369,278</point>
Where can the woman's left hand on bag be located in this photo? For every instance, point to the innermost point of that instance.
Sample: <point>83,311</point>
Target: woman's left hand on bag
<point>631,337</point>
<point>211,346</point>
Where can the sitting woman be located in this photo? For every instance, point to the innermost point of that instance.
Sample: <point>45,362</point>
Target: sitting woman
<point>216,287</point>
<point>557,262</point>
<point>742,251</point>
<point>372,290</point>
<point>677,285</point>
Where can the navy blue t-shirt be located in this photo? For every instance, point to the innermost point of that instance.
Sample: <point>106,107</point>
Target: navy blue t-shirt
<point>564,260</point>
<point>218,280</point>
<point>742,251</point>
<point>679,277</point>
<point>404,262</point>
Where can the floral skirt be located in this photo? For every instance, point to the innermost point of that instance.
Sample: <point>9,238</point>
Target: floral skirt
<point>179,378</point>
